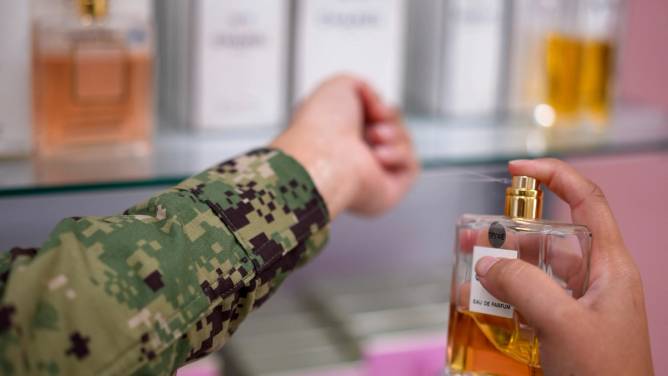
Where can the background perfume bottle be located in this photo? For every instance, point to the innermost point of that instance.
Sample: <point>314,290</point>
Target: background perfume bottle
<point>600,21</point>
<point>487,336</point>
<point>580,47</point>
<point>15,130</point>
<point>92,77</point>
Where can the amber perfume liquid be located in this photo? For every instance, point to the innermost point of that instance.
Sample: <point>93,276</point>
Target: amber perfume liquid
<point>490,337</point>
<point>487,344</point>
<point>579,78</point>
<point>563,68</point>
<point>596,80</point>
<point>97,97</point>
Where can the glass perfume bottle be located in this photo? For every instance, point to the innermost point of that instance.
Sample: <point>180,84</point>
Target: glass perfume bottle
<point>580,48</point>
<point>92,79</point>
<point>563,60</point>
<point>600,24</point>
<point>487,336</point>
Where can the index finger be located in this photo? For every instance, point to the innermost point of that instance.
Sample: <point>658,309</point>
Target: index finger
<point>376,110</point>
<point>586,200</point>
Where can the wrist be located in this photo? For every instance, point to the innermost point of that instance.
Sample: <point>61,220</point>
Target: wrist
<point>336,182</point>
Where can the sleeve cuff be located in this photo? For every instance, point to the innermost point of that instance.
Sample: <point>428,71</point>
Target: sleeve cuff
<point>267,199</point>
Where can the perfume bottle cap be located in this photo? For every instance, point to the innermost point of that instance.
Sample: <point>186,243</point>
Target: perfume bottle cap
<point>524,198</point>
<point>93,9</point>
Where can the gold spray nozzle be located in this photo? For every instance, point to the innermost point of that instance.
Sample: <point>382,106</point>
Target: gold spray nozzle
<point>524,198</point>
<point>93,9</point>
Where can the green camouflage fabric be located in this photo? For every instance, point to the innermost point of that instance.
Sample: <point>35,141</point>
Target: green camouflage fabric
<point>167,282</point>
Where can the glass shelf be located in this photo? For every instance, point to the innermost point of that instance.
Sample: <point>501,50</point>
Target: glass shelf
<point>440,143</point>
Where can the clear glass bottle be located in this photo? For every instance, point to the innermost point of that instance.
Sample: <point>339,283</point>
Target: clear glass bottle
<point>599,21</point>
<point>92,79</point>
<point>487,336</point>
<point>580,46</point>
<point>563,60</point>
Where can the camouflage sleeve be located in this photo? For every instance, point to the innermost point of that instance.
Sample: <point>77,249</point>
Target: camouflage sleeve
<point>166,282</point>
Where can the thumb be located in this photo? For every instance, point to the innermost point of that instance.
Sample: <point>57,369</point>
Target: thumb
<point>545,305</point>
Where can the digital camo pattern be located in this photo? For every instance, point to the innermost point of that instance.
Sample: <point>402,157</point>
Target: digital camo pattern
<point>166,282</point>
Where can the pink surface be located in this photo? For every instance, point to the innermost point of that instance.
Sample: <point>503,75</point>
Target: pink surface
<point>637,189</point>
<point>417,357</point>
<point>337,372</point>
<point>644,57</point>
<point>209,366</point>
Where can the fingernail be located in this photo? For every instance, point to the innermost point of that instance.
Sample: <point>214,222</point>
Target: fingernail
<point>518,161</point>
<point>483,265</point>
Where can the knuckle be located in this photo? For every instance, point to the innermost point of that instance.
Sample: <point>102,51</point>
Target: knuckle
<point>554,164</point>
<point>628,271</point>
<point>554,161</point>
<point>597,192</point>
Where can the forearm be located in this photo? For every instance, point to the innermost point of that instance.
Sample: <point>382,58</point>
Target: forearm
<point>166,282</point>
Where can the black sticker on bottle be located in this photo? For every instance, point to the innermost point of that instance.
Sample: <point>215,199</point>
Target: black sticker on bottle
<point>496,235</point>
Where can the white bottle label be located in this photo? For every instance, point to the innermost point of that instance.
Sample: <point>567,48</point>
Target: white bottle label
<point>480,300</point>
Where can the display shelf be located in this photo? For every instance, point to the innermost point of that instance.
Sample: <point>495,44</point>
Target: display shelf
<point>440,143</point>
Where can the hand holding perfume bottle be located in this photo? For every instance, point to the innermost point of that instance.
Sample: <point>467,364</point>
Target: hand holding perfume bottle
<point>604,331</point>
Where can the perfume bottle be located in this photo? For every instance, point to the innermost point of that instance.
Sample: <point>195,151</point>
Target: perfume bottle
<point>600,28</point>
<point>92,72</point>
<point>580,51</point>
<point>487,336</point>
<point>563,60</point>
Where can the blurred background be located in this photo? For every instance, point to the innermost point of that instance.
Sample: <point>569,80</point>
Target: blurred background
<point>102,106</point>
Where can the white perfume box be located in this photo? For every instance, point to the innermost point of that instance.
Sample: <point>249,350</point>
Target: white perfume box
<point>360,37</point>
<point>15,76</point>
<point>424,56</point>
<point>473,57</point>
<point>239,63</point>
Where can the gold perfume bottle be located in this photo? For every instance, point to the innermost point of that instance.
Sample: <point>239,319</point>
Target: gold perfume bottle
<point>579,77</point>
<point>487,336</point>
<point>579,60</point>
<point>92,79</point>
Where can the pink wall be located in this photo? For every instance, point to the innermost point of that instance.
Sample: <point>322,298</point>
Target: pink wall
<point>642,211</point>
<point>636,187</point>
<point>644,60</point>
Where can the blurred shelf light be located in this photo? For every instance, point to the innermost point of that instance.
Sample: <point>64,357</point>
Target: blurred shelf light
<point>544,115</point>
